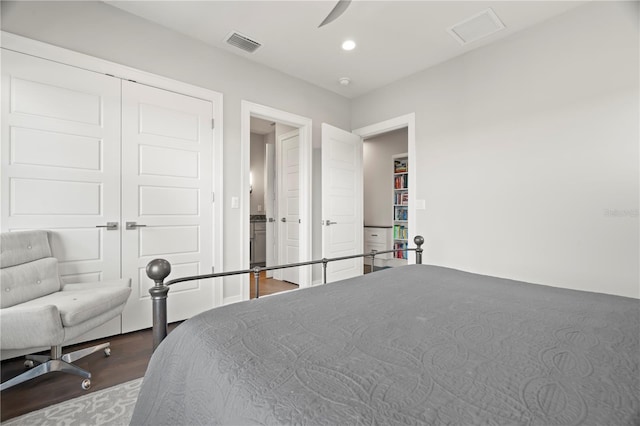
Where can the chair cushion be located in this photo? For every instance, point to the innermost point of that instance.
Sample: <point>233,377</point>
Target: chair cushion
<point>35,327</point>
<point>77,306</point>
<point>21,247</point>
<point>27,281</point>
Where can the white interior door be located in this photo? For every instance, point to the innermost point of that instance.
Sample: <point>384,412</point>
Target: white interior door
<point>342,201</point>
<point>61,165</point>
<point>270,206</point>
<point>167,195</point>
<point>61,162</point>
<point>288,172</point>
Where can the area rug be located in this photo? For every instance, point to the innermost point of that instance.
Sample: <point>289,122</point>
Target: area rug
<point>111,406</point>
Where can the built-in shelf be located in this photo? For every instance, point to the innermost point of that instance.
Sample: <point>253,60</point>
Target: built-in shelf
<point>400,205</point>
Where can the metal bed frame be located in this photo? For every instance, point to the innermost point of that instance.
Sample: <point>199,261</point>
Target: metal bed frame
<point>159,269</point>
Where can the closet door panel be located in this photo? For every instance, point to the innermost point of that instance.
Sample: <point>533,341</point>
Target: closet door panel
<point>61,161</point>
<point>167,187</point>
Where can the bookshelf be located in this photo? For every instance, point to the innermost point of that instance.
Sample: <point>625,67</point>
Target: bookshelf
<point>400,205</point>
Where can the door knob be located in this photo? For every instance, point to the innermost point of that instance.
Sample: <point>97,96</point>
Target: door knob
<point>271,219</point>
<point>111,226</point>
<point>133,225</point>
<point>328,222</point>
<point>284,219</point>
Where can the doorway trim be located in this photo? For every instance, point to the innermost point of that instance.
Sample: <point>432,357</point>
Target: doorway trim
<point>248,110</point>
<point>408,121</point>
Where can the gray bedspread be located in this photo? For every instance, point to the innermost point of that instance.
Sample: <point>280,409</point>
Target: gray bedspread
<point>411,345</point>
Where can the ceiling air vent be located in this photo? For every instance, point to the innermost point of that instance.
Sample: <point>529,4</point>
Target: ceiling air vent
<point>476,27</point>
<point>242,42</point>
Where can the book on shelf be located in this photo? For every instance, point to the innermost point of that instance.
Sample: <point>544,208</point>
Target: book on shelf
<point>401,198</point>
<point>401,213</point>
<point>400,232</point>
<point>400,165</point>
<point>400,254</point>
<point>400,182</point>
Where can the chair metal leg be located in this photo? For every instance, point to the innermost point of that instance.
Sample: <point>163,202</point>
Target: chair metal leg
<point>65,367</point>
<point>57,362</point>
<point>73,356</point>
<point>47,367</point>
<point>27,375</point>
<point>38,358</point>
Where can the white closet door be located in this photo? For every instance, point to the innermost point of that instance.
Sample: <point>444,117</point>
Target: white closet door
<point>167,192</point>
<point>289,203</point>
<point>61,161</point>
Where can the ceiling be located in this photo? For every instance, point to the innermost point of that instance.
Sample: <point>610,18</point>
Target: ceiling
<point>394,38</point>
<point>261,127</point>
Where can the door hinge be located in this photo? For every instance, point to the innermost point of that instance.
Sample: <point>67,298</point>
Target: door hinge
<point>213,197</point>
<point>213,123</point>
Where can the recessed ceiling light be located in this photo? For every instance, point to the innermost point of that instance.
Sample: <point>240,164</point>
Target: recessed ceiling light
<point>349,45</point>
<point>344,81</point>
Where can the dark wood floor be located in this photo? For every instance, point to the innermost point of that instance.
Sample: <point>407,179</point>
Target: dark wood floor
<point>130,355</point>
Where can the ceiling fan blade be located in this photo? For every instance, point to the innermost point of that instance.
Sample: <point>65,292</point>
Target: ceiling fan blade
<point>336,12</point>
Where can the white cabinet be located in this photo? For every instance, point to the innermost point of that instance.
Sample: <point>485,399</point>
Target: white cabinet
<point>258,242</point>
<point>377,238</point>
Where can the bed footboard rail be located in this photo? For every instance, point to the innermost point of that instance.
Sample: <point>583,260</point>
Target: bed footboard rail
<point>159,269</point>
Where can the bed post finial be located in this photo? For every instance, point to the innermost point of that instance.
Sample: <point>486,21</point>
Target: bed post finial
<point>419,240</point>
<point>256,278</point>
<point>325,261</point>
<point>158,270</point>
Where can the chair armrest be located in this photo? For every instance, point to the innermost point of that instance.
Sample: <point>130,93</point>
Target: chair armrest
<point>30,327</point>
<point>123,282</point>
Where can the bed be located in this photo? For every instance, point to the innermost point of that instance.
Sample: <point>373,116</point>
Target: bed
<point>411,345</point>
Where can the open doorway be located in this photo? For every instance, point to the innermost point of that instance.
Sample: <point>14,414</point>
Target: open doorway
<point>393,209</point>
<point>260,181</point>
<point>274,195</point>
<point>386,197</point>
<point>277,207</point>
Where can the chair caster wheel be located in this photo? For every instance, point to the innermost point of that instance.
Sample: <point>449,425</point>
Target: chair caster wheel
<point>107,352</point>
<point>86,384</point>
<point>28,363</point>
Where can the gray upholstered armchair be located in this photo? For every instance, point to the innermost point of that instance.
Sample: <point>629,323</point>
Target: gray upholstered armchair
<point>37,311</point>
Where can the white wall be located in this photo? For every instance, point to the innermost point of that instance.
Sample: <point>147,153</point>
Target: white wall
<point>281,129</point>
<point>270,138</point>
<point>100,30</point>
<point>378,175</point>
<point>256,165</point>
<point>528,152</point>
